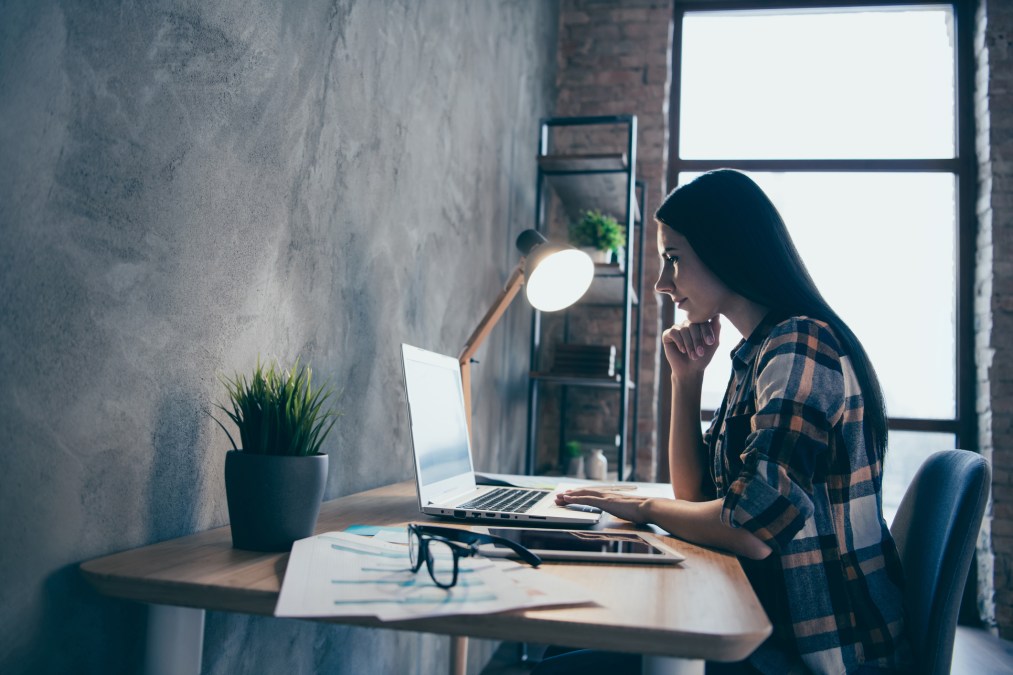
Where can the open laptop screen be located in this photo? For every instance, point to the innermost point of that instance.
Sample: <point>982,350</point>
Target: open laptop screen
<point>436,406</point>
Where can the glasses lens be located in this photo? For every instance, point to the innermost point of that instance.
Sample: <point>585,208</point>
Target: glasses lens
<point>442,563</point>
<point>414,548</point>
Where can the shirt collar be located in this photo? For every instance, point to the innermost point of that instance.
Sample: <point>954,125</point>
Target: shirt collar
<point>744,352</point>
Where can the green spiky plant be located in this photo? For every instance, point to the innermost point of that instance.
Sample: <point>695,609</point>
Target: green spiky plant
<point>277,411</point>
<point>597,230</point>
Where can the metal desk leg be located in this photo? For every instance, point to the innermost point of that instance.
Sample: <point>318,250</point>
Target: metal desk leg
<point>175,640</point>
<point>661,665</point>
<point>458,655</point>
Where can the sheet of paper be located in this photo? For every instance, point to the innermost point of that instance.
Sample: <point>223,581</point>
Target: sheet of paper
<point>341,574</point>
<point>395,535</point>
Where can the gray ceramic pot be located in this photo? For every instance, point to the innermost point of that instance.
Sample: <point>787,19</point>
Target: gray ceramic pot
<point>273,499</point>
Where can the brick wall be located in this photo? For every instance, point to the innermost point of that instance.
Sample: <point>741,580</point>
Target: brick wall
<point>994,302</point>
<point>614,58</point>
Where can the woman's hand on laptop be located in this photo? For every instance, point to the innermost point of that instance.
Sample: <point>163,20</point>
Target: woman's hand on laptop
<point>625,506</point>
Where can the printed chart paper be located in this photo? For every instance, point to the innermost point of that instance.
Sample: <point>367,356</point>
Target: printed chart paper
<point>341,574</point>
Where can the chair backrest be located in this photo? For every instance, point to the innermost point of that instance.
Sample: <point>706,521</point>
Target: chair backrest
<point>935,528</point>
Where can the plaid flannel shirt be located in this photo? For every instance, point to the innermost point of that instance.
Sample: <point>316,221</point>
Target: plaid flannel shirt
<point>795,465</point>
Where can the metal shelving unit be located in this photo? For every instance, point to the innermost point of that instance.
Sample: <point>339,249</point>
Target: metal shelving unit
<point>605,181</point>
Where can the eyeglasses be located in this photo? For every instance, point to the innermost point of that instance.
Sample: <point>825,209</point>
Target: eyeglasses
<point>440,548</point>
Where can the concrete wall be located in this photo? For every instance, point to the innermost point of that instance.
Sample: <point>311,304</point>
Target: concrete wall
<point>187,185</point>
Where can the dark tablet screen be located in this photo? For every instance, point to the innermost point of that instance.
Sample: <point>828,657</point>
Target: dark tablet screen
<point>578,541</point>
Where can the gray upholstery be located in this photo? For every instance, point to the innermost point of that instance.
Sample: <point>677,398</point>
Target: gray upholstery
<point>935,529</point>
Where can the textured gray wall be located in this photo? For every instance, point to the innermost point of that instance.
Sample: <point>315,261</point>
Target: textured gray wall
<point>187,185</point>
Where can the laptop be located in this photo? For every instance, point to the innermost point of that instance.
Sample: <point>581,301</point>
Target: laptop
<point>444,472</point>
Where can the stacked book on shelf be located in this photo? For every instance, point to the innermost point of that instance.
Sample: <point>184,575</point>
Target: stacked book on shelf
<point>585,360</point>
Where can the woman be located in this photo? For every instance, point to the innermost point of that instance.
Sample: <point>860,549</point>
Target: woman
<point>788,476</point>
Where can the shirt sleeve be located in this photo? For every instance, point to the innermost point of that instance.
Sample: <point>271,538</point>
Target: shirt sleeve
<point>799,399</point>
<point>707,485</point>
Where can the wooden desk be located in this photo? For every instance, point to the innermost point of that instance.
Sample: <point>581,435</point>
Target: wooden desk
<point>701,609</point>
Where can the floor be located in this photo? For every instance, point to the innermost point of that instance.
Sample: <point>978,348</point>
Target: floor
<point>975,652</point>
<point>506,660</point>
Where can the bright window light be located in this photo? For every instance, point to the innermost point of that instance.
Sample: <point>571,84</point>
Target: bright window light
<point>828,84</point>
<point>880,247</point>
<point>867,83</point>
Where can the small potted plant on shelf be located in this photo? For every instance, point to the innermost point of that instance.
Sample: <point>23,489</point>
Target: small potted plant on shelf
<point>598,235</point>
<point>574,458</point>
<point>275,479</point>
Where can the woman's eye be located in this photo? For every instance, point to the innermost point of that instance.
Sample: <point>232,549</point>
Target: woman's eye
<point>672,259</point>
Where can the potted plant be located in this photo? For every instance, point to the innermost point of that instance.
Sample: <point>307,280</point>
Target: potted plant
<point>574,459</point>
<point>275,479</point>
<point>600,233</point>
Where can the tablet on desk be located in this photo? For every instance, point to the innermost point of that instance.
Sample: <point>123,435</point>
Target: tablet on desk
<point>590,546</point>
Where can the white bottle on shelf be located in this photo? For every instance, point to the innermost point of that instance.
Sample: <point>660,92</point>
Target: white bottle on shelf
<point>596,465</point>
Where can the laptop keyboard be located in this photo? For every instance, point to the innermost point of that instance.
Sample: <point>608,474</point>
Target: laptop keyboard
<point>505,499</point>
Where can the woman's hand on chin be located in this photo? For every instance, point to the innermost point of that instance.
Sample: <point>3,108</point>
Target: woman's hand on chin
<point>689,347</point>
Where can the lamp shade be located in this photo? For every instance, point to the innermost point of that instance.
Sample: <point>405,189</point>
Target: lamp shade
<point>556,276</point>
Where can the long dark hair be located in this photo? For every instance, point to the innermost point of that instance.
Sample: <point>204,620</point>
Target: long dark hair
<point>738,233</point>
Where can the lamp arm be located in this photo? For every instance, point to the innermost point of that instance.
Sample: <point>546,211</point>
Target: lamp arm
<point>485,326</point>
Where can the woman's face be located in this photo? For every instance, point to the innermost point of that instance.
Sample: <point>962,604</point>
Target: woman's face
<point>684,278</point>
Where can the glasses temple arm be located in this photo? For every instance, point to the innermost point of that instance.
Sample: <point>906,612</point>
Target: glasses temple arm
<point>526,555</point>
<point>468,536</point>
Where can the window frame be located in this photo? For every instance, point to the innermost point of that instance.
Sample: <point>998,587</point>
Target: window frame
<point>963,167</point>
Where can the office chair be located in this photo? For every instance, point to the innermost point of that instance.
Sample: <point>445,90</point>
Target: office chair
<point>936,528</point>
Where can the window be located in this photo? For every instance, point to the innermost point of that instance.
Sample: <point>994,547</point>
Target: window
<point>854,119</point>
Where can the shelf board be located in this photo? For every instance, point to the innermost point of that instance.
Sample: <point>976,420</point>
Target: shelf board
<point>578,381</point>
<point>608,443</point>
<point>581,163</point>
<point>585,182</point>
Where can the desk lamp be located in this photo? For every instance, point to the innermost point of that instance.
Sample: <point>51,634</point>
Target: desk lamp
<point>557,276</point>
